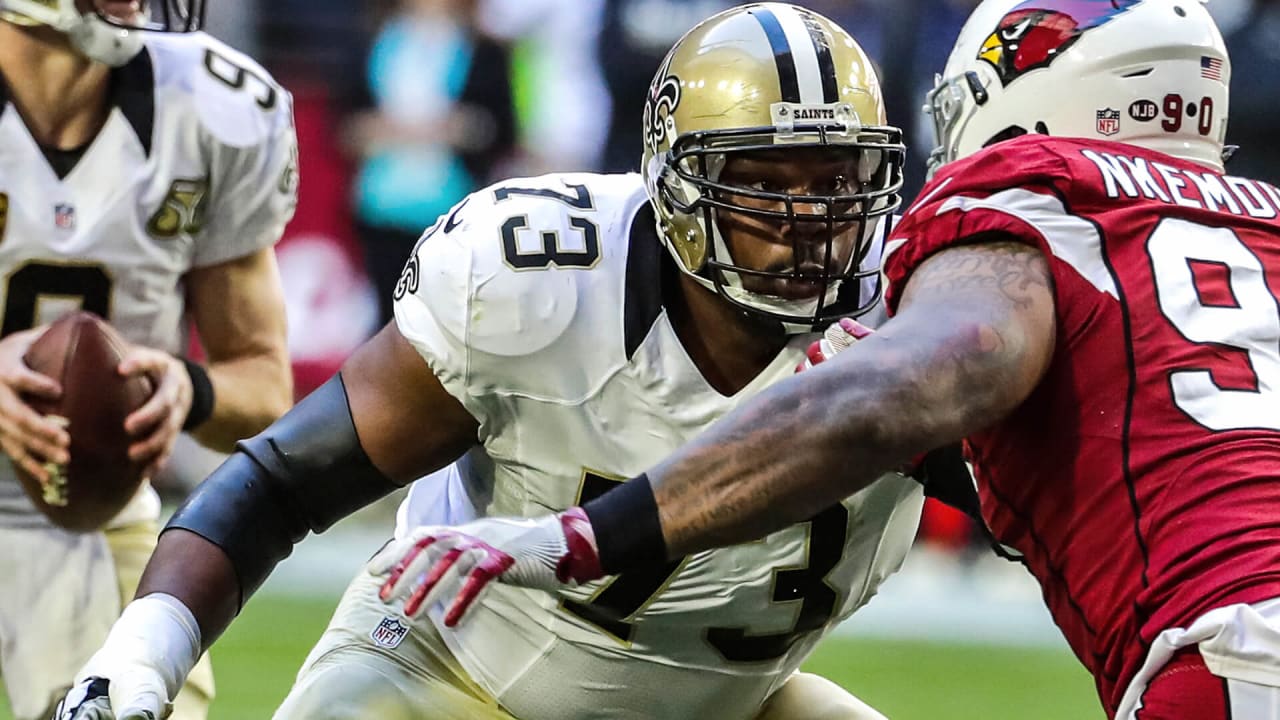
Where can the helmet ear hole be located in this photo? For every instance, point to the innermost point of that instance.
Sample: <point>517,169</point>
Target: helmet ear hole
<point>675,194</point>
<point>1008,133</point>
<point>871,166</point>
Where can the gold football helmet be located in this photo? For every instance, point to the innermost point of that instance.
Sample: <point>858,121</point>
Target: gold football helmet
<point>758,78</point>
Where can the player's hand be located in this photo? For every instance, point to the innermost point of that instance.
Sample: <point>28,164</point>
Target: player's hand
<point>88,699</point>
<point>28,438</point>
<point>91,699</point>
<point>154,427</point>
<point>150,650</point>
<point>838,337</point>
<point>435,563</point>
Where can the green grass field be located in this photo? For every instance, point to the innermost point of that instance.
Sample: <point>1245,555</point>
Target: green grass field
<point>257,658</point>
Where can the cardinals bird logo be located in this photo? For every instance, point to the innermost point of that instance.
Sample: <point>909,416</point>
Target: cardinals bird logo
<point>1036,32</point>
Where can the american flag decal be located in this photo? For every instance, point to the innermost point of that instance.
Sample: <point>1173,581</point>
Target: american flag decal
<point>1210,68</point>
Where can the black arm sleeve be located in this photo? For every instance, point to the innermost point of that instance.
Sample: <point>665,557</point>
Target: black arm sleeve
<point>302,474</point>
<point>627,527</point>
<point>946,478</point>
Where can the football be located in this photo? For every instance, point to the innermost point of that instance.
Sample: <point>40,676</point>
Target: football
<point>82,353</point>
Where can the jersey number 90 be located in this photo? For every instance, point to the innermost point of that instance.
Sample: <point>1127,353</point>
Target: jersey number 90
<point>1212,288</point>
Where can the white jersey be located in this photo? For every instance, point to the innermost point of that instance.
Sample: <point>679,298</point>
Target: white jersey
<point>196,165</point>
<point>537,303</point>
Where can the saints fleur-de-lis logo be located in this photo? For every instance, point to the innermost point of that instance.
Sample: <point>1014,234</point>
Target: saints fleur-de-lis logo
<point>659,109</point>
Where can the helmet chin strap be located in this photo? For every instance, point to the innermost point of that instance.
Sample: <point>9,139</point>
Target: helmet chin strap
<point>732,287</point>
<point>100,41</point>
<point>89,34</point>
<point>783,306</point>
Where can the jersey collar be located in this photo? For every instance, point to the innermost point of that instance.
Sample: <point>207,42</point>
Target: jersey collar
<point>643,288</point>
<point>133,91</point>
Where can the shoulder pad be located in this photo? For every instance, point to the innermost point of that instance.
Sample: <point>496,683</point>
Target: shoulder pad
<point>533,267</point>
<point>1022,161</point>
<point>1012,188</point>
<point>234,98</point>
<point>514,310</point>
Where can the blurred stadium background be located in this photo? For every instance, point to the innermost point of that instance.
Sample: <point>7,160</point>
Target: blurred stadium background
<point>403,106</point>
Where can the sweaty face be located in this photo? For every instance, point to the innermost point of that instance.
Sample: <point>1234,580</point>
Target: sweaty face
<point>797,245</point>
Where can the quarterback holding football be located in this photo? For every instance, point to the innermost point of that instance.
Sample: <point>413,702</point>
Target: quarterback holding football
<point>146,171</point>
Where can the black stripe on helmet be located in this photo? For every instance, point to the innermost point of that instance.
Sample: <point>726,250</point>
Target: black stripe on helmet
<point>822,46</point>
<point>787,78</point>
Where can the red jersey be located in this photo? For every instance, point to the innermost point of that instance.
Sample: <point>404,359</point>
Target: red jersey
<point>1141,479</point>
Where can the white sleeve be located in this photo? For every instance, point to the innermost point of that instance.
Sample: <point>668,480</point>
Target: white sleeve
<point>255,190</point>
<point>433,306</point>
<point>487,328</point>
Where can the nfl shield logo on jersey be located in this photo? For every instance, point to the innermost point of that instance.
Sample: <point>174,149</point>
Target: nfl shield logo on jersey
<point>1108,122</point>
<point>64,216</point>
<point>390,632</point>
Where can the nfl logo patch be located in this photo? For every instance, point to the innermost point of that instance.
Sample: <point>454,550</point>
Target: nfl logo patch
<point>64,216</point>
<point>1108,122</point>
<point>390,632</point>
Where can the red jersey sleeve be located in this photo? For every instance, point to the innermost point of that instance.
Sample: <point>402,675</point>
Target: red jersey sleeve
<point>1012,188</point>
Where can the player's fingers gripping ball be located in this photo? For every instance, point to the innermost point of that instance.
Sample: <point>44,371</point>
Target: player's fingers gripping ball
<point>838,337</point>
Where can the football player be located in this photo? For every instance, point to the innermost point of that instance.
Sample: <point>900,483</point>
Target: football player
<point>145,173</point>
<point>559,334</point>
<point>1082,293</point>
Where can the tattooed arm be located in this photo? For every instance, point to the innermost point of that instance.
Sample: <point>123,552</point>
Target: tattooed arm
<point>973,335</point>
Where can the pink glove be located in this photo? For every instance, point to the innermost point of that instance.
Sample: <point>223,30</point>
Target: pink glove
<point>433,563</point>
<point>838,337</point>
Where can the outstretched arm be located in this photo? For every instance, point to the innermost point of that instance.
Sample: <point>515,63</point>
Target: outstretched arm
<point>402,423</point>
<point>973,336</point>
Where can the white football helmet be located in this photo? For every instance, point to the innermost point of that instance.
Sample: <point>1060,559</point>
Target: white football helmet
<point>98,35</point>
<point>1153,73</point>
